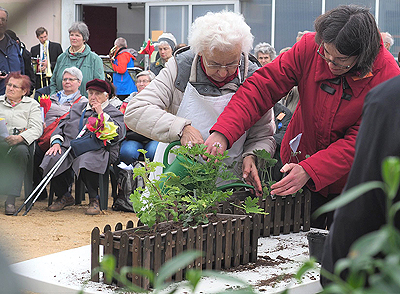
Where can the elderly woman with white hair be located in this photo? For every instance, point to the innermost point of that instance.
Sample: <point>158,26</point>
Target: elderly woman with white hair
<point>79,55</point>
<point>166,46</point>
<point>264,53</point>
<point>185,99</point>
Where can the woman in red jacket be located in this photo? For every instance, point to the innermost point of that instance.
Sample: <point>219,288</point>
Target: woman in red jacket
<point>334,69</point>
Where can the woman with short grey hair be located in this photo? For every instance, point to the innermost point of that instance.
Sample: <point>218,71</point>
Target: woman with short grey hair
<point>80,55</point>
<point>265,53</point>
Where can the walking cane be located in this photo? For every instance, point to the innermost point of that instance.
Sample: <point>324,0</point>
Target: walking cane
<point>42,185</point>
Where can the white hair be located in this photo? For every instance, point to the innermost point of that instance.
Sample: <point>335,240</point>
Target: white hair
<point>265,48</point>
<point>73,71</point>
<point>120,42</point>
<point>302,33</point>
<point>387,38</point>
<point>222,30</point>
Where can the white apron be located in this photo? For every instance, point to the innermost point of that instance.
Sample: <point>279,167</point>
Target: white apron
<point>203,111</point>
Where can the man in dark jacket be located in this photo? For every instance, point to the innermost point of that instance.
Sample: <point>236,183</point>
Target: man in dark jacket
<point>10,56</point>
<point>46,52</point>
<point>377,139</point>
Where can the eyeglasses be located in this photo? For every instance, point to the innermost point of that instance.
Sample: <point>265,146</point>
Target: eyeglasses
<point>228,67</point>
<point>13,86</point>
<point>333,62</point>
<point>142,81</point>
<point>69,79</point>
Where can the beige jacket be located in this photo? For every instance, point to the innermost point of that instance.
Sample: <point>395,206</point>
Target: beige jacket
<point>152,113</point>
<point>25,116</point>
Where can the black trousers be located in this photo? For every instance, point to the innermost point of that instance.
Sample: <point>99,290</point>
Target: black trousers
<point>63,182</point>
<point>325,220</point>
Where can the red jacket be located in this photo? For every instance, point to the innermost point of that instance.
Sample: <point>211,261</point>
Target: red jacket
<point>328,122</point>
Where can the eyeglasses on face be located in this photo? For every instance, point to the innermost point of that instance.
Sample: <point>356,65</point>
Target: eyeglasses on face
<point>142,81</point>
<point>331,61</point>
<point>13,86</point>
<point>69,79</point>
<point>228,67</point>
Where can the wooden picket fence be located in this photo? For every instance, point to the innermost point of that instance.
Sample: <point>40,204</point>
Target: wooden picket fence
<point>227,243</point>
<point>285,214</point>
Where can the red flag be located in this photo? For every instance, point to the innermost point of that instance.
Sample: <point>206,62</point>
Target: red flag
<point>148,49</point>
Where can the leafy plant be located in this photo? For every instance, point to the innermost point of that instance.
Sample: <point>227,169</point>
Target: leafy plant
<point>158,280</point>
<point>373,265</point>
<point>250,205</point>
<point>265,165</point>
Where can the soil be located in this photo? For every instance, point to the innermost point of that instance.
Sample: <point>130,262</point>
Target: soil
<point>42,232</point>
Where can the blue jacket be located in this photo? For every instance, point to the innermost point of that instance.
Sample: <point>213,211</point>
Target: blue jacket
<point>122,80</point>
<point>10,61</point>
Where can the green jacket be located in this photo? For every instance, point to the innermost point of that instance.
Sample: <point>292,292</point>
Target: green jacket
<point>88,62</point>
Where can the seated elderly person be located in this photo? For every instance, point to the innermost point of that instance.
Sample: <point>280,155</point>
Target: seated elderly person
<point>61,102</point>
<point>90,164</point>
<point>23,120</point>
<point>265,53</point>
<point>129,147</point>
<point>185,99</point>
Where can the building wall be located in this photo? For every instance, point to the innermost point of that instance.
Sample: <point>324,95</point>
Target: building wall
<point>25,16</point>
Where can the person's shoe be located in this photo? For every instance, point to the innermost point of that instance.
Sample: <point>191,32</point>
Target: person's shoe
<point>94,207</point>
<point>10,209</point>
<point>61,202</point>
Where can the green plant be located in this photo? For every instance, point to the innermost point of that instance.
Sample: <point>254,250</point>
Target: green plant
<point>373,265</point>
<point>153,203</point>
<point>158,280</point>
<point>265,164</point>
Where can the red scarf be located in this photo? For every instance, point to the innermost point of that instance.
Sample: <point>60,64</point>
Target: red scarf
<point>218,84</point>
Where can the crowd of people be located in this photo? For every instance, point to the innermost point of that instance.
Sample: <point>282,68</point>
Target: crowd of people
<point>214,92</point>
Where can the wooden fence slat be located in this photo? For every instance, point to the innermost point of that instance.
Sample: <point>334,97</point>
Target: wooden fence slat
<point>307,210</point>
<point>190,243</point>
<point>178,250</point>
<point>107,228</point>
<point>157,252</point>
<point>278,215</point>
<point>267,218</point>
<point>118,227</point>
<point>246,240</point>
<point>95,244</point>
<point>237,239</point>
<point>146,260</point>
<point>209,246</point>
<point>139,223</point>
<point>297,213</point>
<point>199,247</point>
<point>168,250</point>
<point>108,247</point>
<point>129,224</point>
<point>237,210</point>
<point>136,259</point>
<point>228,244</point>
<point>288,214</point>
<point>218,246</point>
<point>254,236</point>
<point>123,254</point>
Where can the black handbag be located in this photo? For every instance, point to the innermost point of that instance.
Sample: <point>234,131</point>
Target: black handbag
<point>88,142</point>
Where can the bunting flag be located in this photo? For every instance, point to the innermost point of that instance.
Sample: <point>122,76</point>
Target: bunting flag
<point>148,48</point>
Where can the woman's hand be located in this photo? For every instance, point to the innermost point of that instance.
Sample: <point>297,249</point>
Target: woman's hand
<point>216,142</point>
<point>191,136</point>
<point>53,150</point>
<point>250,174</point>
<point>96,106</point>
<point>296,178</point>
<point>14,139</point>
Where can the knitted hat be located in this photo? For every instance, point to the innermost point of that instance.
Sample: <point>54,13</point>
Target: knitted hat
<point>169,38</point>
<point>99,85</point>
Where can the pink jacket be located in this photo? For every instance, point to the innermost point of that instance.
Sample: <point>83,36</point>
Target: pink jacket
<point>328,122</point>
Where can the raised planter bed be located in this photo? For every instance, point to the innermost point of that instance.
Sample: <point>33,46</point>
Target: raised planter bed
<point>226,243</point>
<point>285,214</point>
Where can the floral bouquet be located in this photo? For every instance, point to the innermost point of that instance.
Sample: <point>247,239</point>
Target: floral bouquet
<point>45,102</point>
<point>104,130</point>
<point>147,48</point>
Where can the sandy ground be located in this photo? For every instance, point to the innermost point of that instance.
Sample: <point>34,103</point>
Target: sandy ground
<point>42,232</point>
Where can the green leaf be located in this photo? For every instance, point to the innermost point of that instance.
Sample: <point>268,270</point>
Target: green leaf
<point>308,265</point>
<point>348,196</point>
<point>369,245</point>
<point>193,277</point>
<point>108,266</point>
<point>391,175</point>
<point>172,266</point>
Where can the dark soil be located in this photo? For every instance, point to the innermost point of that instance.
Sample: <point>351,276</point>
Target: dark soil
<point>262,261</point>
<point>274,280</point>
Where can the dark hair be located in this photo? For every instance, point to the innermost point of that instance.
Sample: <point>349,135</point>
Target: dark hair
<point>113,89</point>
<point>353,31</point>
<point>26,81</point>
<point>40,31</point>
